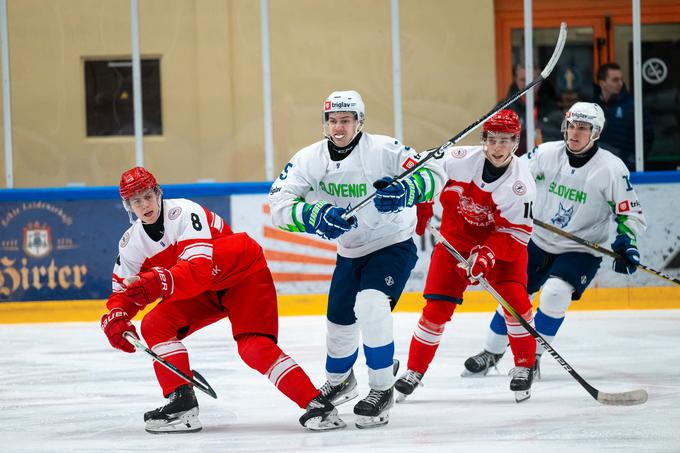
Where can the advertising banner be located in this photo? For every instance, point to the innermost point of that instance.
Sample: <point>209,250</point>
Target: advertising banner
<point>65,249</point>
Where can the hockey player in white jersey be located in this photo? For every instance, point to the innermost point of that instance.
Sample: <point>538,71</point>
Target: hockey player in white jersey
<point>580,189</point>
<point>376,252</point>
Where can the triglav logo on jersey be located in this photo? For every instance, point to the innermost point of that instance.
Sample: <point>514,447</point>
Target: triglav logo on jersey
<point>408,163</point>
<point>37,240</point>
<point>474,213</point>
<point>563,216</point>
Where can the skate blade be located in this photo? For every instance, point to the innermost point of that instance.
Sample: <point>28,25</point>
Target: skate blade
<point>346,397</point>
<point>365,422</point>
<point>401,397</point>
<point>468,373</point>
<point>187,422</point>
<point>332,421</point>
<point>522,395</point>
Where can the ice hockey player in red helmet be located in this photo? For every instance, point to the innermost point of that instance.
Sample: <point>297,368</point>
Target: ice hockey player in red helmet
<point>487,217</point>
<point>185,254</point>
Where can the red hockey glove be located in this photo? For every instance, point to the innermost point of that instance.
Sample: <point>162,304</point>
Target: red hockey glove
<point>425,212</point>
<point>150,286</point>
<point>114,324</point>
<point>481,261</point>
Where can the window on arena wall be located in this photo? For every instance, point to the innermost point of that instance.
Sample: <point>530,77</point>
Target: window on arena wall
<point>109,97</point>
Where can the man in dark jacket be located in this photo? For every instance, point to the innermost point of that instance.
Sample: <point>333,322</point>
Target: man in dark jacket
<point>618,105</point>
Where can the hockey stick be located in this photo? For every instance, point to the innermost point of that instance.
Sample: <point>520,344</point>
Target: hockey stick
<point>200,382</point>
<point>603,250</point>
<point>629,398</point>
<point>438,153</point>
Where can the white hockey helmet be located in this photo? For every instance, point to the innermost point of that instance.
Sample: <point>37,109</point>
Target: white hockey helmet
<point>585,112</point>
<point>343,101</point>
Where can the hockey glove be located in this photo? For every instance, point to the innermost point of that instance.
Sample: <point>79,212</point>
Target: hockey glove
<point>114,324</point>
<point>425,213</point>
<point>150,286</point>
<point>326,220</point>
<point>396,196</point>
<point>481,260</point>
<point>628,258</point>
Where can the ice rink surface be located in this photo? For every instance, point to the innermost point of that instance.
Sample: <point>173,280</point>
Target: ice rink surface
<point>64,389</point>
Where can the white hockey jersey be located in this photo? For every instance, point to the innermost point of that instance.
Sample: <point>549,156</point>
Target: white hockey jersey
<point>312,176</point>
<point>495,214</point>
<point>582,200</point>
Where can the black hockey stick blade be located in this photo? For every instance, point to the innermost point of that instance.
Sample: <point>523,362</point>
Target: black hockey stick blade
<point>200,383</point>
<point>629,398</point>
<point>438,153</point>
<point>208,388</point>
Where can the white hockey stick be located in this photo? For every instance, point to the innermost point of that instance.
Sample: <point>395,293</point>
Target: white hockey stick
<point>200,382</point>
<point>629,398</point>
<point>438,153</point>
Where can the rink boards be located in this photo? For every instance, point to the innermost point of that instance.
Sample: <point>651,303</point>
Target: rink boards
<point>57,248</point>
<point>652,297</point>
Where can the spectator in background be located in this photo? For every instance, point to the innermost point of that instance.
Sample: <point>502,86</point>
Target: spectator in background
<point>618,105</point>
<point>544,104</point>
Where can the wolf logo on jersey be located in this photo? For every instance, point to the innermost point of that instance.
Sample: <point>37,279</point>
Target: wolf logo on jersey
<point>563,216</point>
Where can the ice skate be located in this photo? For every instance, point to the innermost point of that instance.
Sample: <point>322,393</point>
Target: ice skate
<point>374,410</point>
<point>407,383</point>
<point>180,415</point>
<point>479,364</point>
<point>520,383</point>
<point>321,415</point>
<point>341,393</point>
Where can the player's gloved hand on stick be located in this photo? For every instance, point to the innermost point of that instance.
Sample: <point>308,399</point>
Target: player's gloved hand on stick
<point>149,286</point>
<point>629,257</point>
<point>326,220</point>
<point>425,212</point>
<point>481,260</point>
<point>114,324</point>
<point>397,196</point>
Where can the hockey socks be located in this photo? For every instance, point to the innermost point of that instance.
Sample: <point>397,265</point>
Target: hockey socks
<point>175,353</point>
<point>262,354</point>
<point>428,334</point>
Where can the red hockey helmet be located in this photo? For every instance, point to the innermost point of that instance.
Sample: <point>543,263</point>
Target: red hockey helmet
<point>135,180</point>
<point>505,122</point>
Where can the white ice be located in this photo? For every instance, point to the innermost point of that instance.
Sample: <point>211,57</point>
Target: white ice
<point>64,389</point>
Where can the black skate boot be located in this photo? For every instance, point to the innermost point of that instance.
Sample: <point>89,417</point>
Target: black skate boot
<point>321,415</point>
<point>478,365</point>
<point>522,377</point>
<point>341,393</point>
<point>374,409</point>
<point>407,383</point>
<point>180,415</point>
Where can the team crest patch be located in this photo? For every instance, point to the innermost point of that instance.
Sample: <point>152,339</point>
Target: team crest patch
<point>408,163</point>
<point>389,281</point>
<point>519,188</point>
<point>458,153</point>
<point>174,213</point>
<point>126,238</point>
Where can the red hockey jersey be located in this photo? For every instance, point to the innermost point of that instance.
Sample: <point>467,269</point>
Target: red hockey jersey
<point>496,214</point>
<point>198,248</point>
